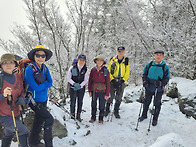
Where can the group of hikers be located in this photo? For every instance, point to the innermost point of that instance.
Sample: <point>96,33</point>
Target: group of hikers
<point>105,84</point>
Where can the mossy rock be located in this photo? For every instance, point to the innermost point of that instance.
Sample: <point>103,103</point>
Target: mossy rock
<point>187,106</point>
<point>58,129</point>
<point>173,91</point>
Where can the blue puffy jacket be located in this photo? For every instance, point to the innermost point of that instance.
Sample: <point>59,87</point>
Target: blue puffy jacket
<point>40,91</point>
<point>152,74</point>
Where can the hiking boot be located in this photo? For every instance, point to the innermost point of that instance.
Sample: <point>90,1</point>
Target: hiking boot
<point>117,115</point>
<point>78,117</point>
<point>38,145</point>
<point>106,113</point>
<point>101,121</point>
<point>142,118</point>
<point>154,122</point>
<point>72,115</point>
<point>91,120</point>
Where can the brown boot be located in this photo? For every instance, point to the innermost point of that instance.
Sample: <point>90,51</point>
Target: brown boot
<point>101,121</point>
<point>78,117</point>
<point>91,120</point>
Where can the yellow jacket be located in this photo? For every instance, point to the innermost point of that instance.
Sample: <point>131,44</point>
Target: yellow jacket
<point>125,70</point>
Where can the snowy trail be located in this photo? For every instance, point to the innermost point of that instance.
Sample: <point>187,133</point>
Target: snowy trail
<point>173,129</point>
<point>178,130</point>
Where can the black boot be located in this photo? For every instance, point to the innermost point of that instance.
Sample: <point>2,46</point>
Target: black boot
<point>72,115</point>
<point>48,137</point>
<point>155,117</point>
<point>23,140</point>
<point>116,110</point>
<point>6,142</point>
<point>107,110</point>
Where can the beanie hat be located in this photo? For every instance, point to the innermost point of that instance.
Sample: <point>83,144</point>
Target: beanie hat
<point>81,56</point>
<point>39,48</point>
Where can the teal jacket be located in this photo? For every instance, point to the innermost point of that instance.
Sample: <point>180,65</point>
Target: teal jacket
<point>156,72</point>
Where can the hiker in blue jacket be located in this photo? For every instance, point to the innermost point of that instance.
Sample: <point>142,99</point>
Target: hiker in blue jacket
<point>155,76</point>
<point>38,80</point>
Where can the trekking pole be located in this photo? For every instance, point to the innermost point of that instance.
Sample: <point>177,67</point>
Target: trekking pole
<point>13,117</point>
<point>21,112</point>
<point>139,116</point>
<point>155,94</point>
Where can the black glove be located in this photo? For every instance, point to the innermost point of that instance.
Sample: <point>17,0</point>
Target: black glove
<point>20,100</point>
<point>114,82</point>
<point>121,81</point>
<point>158,83</point>
<point>145,84</point>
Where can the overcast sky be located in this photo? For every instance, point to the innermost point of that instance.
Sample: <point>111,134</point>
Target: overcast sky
<point>13,11</point>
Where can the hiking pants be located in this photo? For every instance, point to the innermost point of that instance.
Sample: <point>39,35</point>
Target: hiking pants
<point>157,103</point>
<point>42,116</point>
<point>76,95</point>
<point>101,97</point>
<point>9,129</point>
<point>117,94</point>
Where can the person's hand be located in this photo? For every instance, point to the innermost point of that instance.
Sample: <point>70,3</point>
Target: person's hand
<point>121,81</point>
<point>158,83</point>
<point>20,100</point>
<point>76,86</point>
<point>7,91</point>
<point>145,84</point>
<point>107,97</point>
<point>90,94</point>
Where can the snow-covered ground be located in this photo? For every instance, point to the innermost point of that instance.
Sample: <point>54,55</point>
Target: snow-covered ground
<point>173,129</point>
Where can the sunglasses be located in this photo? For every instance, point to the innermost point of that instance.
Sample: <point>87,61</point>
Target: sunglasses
<point>38,55</point>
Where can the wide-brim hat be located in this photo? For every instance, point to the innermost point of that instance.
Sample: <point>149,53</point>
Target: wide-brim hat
<point>100,57</point>
<point>39,48</point>
<point>8,58</point>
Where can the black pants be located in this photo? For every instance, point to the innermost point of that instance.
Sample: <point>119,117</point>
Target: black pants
<point>157,103</point>
<point>42,117</point>
<point>79,95</point>
<point>101,97</point>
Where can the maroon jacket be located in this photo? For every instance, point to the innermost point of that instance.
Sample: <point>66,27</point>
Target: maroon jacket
<point>17,90</point>
<point>97,77</point>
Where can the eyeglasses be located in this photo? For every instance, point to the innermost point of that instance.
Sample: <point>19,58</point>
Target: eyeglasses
<point>8,63</point>
<point>38,55</point>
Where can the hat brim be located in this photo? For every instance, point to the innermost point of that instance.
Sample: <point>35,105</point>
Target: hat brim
<point>104,62</point>
<point>32,53</point>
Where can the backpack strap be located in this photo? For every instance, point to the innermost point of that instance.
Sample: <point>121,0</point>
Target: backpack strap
<point>1,80</point>
<point>149,67</point>
<point>126,61</point>
<point>150,64</point>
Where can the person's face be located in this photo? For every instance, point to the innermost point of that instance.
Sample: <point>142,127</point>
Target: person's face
<point>8,67</point>
<point>99,62</point>
<point>121,54</point>
<point>158,57</point>
<point>40,57</point>
<point>81,62</point>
